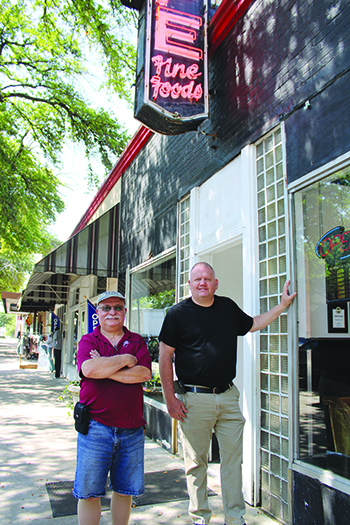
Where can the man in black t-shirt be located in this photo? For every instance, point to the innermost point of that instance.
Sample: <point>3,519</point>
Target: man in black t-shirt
<point>201,332</point>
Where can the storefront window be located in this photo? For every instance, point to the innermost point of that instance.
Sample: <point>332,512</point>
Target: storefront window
<point>322,254</point>
<point>152,294</point>
<point>74,343</point>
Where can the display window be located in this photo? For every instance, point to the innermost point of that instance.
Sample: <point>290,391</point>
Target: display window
<point>321,215</point>
<point>152,294</point>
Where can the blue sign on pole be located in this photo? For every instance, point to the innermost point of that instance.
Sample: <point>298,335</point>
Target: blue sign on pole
<point>55,322</point>
<point>92,316</point>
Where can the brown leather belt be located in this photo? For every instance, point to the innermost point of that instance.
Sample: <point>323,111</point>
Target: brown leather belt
<point>209,390</point>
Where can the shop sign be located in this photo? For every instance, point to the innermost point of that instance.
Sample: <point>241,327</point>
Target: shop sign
<point>337,316</point>
<point>334,246</point>
<point>92,317</point>
<point>55,322</point>
<point>172,81</point>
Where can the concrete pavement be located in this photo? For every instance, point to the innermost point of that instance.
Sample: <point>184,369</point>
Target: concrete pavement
<point>38,446</point>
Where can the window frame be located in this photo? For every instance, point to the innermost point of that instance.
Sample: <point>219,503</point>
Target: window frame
<point>326,477</point>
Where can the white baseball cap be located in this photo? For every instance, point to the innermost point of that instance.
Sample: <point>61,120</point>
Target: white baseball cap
<point>108,295</point>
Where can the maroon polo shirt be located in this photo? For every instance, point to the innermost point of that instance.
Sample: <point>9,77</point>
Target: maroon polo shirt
<point>112,403</point>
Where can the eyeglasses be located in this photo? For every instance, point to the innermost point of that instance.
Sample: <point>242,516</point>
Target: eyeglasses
<point>107,308</point>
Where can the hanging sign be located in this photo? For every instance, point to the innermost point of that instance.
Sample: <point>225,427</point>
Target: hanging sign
<point>55,322</point>
<point>337,317</point>
<point>92,317</point>
<point>172,76</point>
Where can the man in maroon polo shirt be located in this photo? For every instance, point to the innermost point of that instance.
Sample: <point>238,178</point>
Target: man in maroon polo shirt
<point>112,362</point>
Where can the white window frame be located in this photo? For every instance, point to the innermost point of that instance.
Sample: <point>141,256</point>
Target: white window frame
<point>324,476</point>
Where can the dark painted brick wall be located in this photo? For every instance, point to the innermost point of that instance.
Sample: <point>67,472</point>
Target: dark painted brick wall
<point>277,57</point>
<point>315,503</point>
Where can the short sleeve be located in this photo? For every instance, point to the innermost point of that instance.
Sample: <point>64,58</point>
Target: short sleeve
<point>142,355</point>
<point>245,321</point>
<point>169,332</point>
<point>86,344</point>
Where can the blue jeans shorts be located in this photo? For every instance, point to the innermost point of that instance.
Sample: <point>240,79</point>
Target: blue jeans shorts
<point>119,451</point>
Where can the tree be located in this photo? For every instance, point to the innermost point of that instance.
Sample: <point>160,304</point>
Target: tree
<point>8,321</point>
<point>44,59</point>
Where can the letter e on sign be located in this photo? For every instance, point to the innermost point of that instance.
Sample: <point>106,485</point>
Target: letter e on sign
<point>171,95</point>
<point>176,33</point>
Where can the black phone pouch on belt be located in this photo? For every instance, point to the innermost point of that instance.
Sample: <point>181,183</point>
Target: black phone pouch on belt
<point>179,387</point>
<point>81,418</point>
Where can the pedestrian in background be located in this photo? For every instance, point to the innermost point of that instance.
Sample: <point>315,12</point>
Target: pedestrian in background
<point>57,351</point>
<point>49,344</point>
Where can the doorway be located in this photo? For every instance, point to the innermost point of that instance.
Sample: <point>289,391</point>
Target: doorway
<point>228,266</point>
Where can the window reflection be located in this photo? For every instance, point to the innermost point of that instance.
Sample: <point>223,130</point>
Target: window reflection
<point>322,247</point>
<point>152,294</point>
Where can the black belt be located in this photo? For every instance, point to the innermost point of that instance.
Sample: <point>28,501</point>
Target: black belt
<point>208,389</point>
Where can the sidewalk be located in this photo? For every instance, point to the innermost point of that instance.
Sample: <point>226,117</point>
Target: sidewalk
<point>38,446</point>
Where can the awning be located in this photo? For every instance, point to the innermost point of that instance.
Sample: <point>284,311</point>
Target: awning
<point>10,301</point>
<point>93,250</point>
<point>44,291</point>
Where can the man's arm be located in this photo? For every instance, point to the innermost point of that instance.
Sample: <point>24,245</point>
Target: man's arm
<point>103,367</point>
<point>136,374</point>
<point>176,408</point>
<point>263,320</point>
<point>133,374</point>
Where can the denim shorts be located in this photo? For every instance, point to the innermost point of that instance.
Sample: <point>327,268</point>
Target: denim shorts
<point>119,451</point>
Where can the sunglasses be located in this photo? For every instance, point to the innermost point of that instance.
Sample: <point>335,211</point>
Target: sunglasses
<point>107,308</point>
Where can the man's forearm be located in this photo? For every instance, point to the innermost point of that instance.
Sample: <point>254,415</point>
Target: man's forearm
<point>175,406</point>
<point>166,376</point>
<point>103,367</point>
<point>136,374</point>
<point>263,320</point>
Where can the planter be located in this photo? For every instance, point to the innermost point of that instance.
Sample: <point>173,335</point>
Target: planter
<point>160,426</point>
<point>74,390</point>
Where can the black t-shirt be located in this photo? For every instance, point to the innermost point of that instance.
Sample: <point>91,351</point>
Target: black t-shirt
<point>205,340</point>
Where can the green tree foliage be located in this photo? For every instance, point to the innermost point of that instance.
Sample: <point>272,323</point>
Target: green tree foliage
<point>8,321</point>
<point>160,300</point>
<point>44,50</point>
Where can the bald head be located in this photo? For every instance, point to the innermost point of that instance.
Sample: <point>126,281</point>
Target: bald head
<point>205,264</point>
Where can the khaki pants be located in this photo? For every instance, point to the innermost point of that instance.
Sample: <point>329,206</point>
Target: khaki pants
<point>220,412</point>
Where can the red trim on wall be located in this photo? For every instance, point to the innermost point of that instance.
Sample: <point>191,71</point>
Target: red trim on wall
<point>135,145</point>
<point>225,17</point>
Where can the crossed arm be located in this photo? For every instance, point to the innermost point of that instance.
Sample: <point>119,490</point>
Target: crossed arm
<point>122,368</point>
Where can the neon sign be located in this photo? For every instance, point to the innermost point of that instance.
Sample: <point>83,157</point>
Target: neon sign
<point>172,86</point>
<point>334,246</point>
